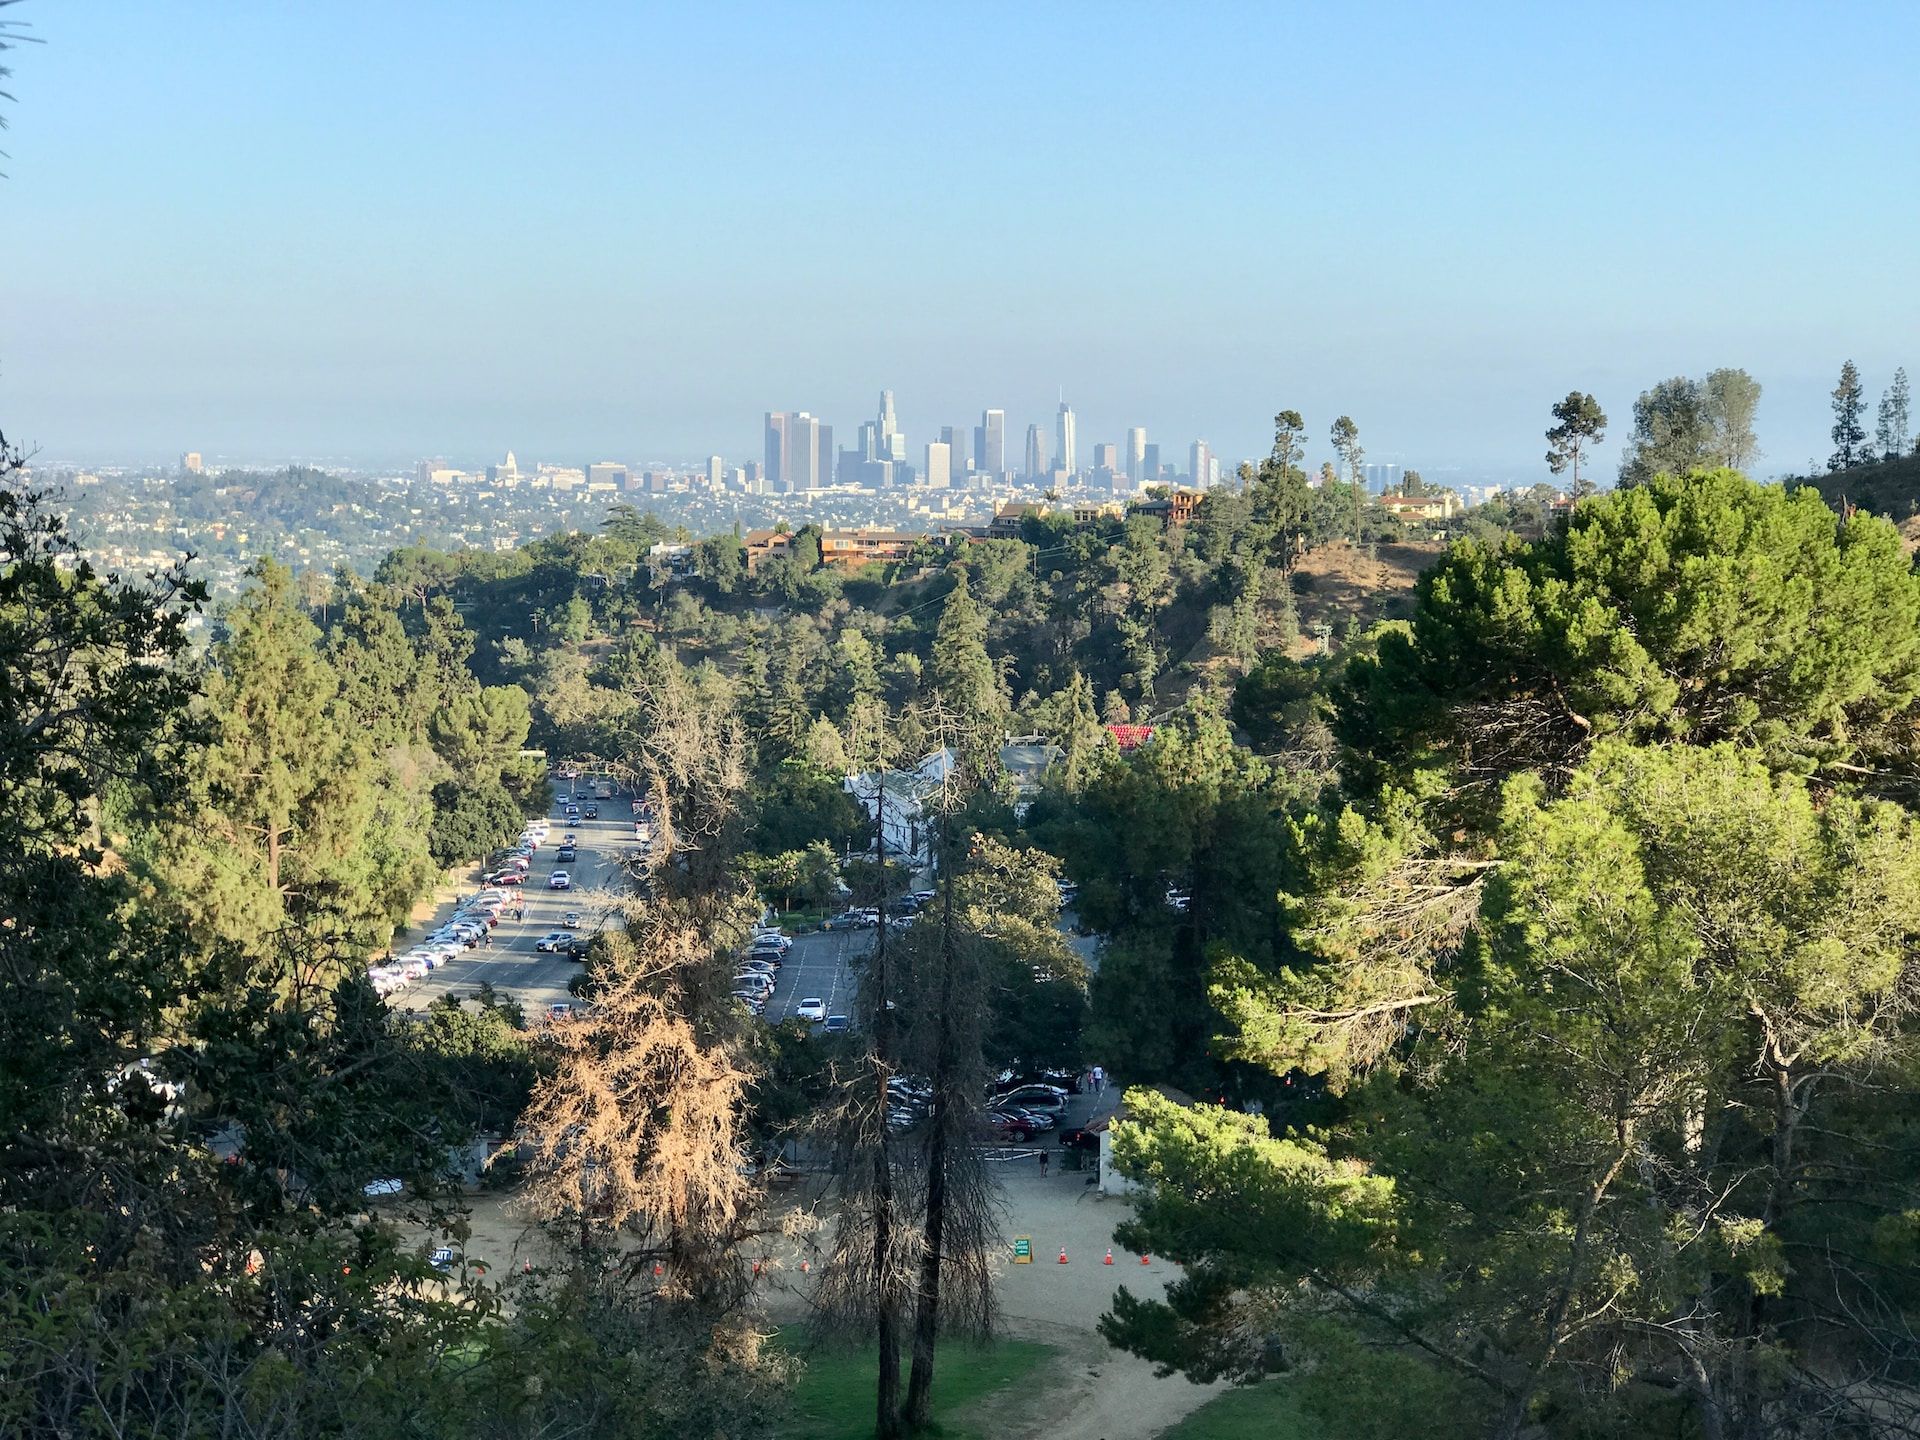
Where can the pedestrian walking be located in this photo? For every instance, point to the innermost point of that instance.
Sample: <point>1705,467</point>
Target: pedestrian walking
<point>487,937</point>
<point>1043,1164</point>
<point>1099,1080</point>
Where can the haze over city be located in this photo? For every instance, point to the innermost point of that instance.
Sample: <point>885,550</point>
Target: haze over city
<point>600,230</point>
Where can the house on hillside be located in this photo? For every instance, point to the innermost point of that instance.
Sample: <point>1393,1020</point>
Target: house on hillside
<point>1174,512</point>
<point>1130,737</point>
<point>1026,759</point>
<point>1443,506</point>
<point>900,804</point>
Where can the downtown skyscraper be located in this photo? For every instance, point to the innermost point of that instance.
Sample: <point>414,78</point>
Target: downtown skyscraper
<point>990,443</point>
<point>1065,441</point>
<point>1036,453</point>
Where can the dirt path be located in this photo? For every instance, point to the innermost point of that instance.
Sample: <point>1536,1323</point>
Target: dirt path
<point>1089,1392</point>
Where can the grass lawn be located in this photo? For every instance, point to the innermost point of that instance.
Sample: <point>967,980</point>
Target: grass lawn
<point>1258,1412</point>
<point>834,1399</point>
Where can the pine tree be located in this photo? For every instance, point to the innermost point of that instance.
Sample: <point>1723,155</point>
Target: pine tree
<point>1891,434</point>
<point>1583,424</point>
<point>1849,429</point>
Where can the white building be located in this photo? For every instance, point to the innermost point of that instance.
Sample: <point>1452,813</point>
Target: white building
<point>902,803</point>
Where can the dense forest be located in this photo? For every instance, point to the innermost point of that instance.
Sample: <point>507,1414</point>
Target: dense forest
<point>1515,969</point>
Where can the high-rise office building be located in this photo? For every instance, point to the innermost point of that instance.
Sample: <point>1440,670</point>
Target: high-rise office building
<point>1136,456</point>
<point>1200,465</point>
<point>1106,457</point>
<point>990,454</point>
<point>869,440</point>
<point>192,464</point>
<point>716,472</point>
<point>1036,452</point>
<point>893,445</point>
<point>1066,449</point>
<point>803,453</point>
<point>775,472</point>
<point>1150,463</point>
<point>939,465</point>
<point>954,437</point>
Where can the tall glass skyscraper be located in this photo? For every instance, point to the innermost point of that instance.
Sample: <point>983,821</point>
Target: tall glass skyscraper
<point>1065,444</point>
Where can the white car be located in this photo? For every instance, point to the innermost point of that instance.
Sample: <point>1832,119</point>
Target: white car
<point>812,1008</point>
<point>752,980</point>
<point>553,940</point>
<point>559,880</point>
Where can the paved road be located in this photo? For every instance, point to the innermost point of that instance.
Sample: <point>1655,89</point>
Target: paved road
<point>511,964</point>
<point>819,965</point>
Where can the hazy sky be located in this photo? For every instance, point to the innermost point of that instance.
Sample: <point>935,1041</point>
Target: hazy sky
<point>380,230</point>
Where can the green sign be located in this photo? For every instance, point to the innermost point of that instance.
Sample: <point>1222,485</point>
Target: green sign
<point>1023,1250</point>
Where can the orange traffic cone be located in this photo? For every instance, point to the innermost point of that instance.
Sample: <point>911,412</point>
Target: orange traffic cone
<point>1109,1259</point>
<point>1145,1258</point>
<point>1063,1254</point>
<point>658,1269</point>
<point>805,1268</point>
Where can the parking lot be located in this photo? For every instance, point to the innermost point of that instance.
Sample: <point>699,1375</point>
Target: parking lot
<point>819,965</point>
<point>511,964</point>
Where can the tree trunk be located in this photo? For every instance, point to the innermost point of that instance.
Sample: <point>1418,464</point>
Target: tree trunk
<point>926,1319</point>
<point>886,1421</point>
<point>1515,1416</point>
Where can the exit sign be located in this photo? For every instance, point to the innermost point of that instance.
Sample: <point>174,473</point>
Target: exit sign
<point>1023,1250</point>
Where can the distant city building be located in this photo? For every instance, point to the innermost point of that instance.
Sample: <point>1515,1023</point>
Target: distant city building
<point>1149,463</point>
<point>191,463</point>
<point>507,472</point>
<point>775,473</point>
<point>606,474</point>
<point>869,440</point>
<point>1381,478</point>
<point>1036,452</point>
<point>990,446</point>
<point>1200,467</point>
<point>799,452</point>
<point>1106,457</point>
<point>1065,444</point>
<point>954,437</point>
<point>939,465</point>
<point>893,445</point>
<point>1136,455</point>
<point>716,472</point>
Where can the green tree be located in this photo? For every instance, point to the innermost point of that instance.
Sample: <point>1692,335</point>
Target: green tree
<point>1580,424</point>
<point>1891,432</point>
<point>471,819</point>
<point>963,674</point>
<point>1731,399</point>
<point>1636,1061</point>
<point>1685,609</point>
<point>1849,421</point>
<point>1671,432</point>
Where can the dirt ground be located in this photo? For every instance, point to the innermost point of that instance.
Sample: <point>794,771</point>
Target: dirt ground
<point>1090,1392</point>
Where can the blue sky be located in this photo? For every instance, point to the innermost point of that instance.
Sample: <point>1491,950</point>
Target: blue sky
<point>375,231</point>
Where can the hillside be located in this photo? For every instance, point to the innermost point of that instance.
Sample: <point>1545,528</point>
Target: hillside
<point>1890,488</point>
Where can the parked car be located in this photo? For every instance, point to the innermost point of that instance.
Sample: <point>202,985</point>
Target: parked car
<point>811,1008</point>
<point>559,1010</point>
<point>1002,1126</point>
<point>568,854</point>
<point>559,880</point>
<point>765,935</point>
<point>751,1001</point>
<point>1078,1138</point>
<point>553,941</point>
<point>836,1025</point>
<point>1036,1097</point>
<point>846,920</point>
<point>1038,1121</point>
<point>1065,1080</point>
<point>924,897</point>
<point>506,877</point>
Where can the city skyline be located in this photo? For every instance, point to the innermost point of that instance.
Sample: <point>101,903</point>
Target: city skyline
<point>362,273</point>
